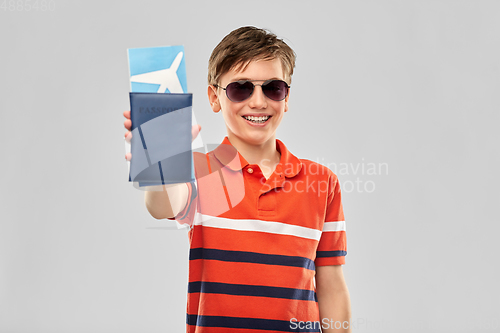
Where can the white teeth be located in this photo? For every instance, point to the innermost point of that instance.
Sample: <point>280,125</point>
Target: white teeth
<point>257,119</point>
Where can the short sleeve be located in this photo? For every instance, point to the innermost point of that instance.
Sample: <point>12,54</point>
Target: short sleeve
<point>332,247</point>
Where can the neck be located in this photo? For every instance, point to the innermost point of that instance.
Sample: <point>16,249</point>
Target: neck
<point>265,154</point>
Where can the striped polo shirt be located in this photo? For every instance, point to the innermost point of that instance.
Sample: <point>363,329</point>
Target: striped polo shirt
<point>255,242</point>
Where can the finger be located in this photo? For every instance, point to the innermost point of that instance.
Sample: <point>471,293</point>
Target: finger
<point>195,130</point>
<point>128,136</point>
<point>126,114</point>
<point>128,124</point>
<point>128,156</point>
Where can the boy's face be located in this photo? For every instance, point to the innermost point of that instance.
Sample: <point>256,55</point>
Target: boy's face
<point>257,105</point>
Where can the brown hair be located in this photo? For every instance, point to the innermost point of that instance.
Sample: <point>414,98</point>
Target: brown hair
<point>241,46</point>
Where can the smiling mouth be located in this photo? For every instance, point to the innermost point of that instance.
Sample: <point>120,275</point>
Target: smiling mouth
<point>257,120</point>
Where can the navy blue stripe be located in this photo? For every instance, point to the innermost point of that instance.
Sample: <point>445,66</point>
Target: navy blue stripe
<point>250,290</point>
<point>253,257</point>
<point>251,323</point>
<point>326,254</point>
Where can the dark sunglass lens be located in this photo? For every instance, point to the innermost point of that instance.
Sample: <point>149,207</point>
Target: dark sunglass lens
<point>275,90</point>
<point>239,91</point>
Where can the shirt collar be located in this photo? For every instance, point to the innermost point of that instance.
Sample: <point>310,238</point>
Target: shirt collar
<point>289,164</point>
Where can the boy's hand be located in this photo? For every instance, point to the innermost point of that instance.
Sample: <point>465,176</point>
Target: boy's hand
<point>128,135</point>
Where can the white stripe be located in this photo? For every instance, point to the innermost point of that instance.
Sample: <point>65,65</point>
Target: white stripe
<point>257,225</point>
<point>334,226</point>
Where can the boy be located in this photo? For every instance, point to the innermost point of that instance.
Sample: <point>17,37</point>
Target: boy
<point>267,231</point>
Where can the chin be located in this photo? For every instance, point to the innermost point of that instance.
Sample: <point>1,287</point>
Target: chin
<point>257,139</point>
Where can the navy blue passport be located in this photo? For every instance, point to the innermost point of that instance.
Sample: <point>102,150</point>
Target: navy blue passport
<point>161,138</point>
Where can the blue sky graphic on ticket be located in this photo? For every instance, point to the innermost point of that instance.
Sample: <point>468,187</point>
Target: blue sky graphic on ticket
<point>157,69</point>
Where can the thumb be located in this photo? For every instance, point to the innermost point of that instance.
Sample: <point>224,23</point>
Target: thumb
<point>195,130</point>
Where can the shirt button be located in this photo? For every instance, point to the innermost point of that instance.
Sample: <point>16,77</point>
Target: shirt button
<point>250,170</point>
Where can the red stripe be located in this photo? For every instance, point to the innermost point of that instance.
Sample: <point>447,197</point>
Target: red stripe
<point>253,307</point>
<point>245,273</point>
<point>252,241</point>
<point>332,241</point>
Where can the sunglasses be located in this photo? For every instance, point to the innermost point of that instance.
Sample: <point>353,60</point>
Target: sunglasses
<point>239,91</point>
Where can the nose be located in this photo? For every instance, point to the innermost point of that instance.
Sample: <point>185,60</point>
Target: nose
<point>258,99</point>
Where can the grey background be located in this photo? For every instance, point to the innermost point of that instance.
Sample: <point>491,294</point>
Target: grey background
<point>412,85</point>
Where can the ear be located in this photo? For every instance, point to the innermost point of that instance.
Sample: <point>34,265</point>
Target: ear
<point>213,98</point>
<point>286,100</point>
